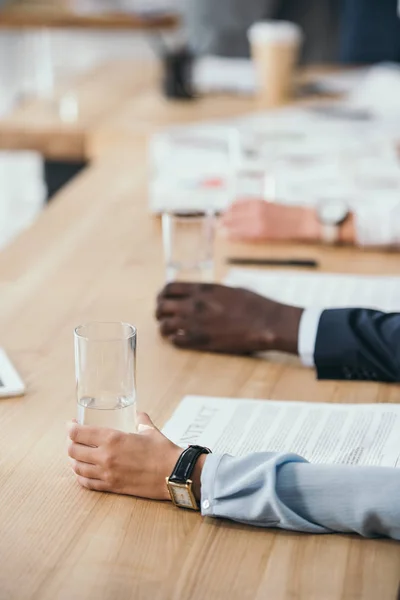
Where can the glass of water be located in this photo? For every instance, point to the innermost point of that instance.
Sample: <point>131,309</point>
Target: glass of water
<point>105,365</point>
<point>188,239</point>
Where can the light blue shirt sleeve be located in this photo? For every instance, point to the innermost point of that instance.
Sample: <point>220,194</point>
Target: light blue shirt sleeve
<point>287,492</point>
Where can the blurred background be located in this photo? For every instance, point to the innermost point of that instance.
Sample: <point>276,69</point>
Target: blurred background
<point>50,51</point>
<point>40,50</point>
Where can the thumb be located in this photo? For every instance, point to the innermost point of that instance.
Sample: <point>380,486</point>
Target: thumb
<point>144,423</point>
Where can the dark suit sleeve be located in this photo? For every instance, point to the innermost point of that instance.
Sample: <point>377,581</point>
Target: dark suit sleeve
<point>358,344</point>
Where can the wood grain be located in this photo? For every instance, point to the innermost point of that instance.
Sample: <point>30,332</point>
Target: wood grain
<point>31,14</point>
<point>96,254</point>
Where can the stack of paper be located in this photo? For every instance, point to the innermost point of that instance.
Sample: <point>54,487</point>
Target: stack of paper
<point>311,155</point>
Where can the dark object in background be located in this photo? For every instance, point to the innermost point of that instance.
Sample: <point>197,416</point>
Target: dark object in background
<point>59,173</point>
<point>274,262</point>
<point>370,32</point>
<point>177,63</point>
<point>177,74</point>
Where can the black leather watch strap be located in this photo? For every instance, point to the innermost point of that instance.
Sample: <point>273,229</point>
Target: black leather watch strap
<point>186,463</point>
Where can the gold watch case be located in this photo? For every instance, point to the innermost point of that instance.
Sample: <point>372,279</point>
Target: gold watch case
<point>182,495</point>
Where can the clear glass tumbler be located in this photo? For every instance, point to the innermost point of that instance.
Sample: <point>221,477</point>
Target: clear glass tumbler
<point>105,365</point>
<point>188,240</point>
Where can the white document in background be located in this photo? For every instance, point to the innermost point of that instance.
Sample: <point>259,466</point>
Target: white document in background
<point>321,433</point>
<point>314,290</point>
<point>379,92</point>
<point>191,168</point>
<point>341,82</point>
<point>220,74</point>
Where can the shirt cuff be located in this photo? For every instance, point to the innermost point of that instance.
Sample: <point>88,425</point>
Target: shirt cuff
<point>377,228</point>
<point>308,330</point>
<point>208,475</point>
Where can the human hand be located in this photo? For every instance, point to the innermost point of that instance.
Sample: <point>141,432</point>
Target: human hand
<point>107,460</point>
<point>258,221</point>
<point>216,318</point>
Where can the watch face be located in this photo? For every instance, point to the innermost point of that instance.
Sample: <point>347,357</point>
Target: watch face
<point>181,495</point>
<point>332,212</point>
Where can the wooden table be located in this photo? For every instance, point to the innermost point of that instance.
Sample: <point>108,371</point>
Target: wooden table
<point>35,123</point>
<point>32,14</point>
<point>96,254</point>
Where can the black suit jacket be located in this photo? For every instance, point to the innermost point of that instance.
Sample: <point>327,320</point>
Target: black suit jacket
<point>358,344</point>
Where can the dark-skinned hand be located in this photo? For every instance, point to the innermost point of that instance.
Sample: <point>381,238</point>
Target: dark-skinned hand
<point>217,318</point>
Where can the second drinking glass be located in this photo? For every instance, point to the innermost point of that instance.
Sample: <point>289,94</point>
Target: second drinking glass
<point>188,240</point>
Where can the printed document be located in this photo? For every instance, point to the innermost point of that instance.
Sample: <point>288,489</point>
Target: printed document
<point>326,290</point>
<point>352,434</point>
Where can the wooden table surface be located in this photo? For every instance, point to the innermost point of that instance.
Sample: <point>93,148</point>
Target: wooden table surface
<point>95,254</point>
<point>35,123</point>
<point>31,14</point>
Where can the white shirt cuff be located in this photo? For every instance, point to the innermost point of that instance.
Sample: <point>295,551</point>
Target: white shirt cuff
<point>378,227</point>
<point>308,335</point>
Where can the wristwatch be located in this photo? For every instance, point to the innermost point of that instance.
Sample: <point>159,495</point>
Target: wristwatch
<point>331,214</point>
<point>179,483</point>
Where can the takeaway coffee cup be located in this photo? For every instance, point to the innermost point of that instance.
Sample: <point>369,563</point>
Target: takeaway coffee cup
<point>275,48</point>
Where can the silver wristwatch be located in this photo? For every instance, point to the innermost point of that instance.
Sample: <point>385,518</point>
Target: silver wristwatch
<point>331,213</point>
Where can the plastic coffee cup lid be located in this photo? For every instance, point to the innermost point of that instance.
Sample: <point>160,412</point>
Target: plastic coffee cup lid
<point>275,31</point>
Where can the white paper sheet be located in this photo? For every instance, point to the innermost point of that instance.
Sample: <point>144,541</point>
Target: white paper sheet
<point>322,433</point>
<point>379,91</point>
<point>341,82</point>
<point>311,156</point>
<point>326,290</point>
<point>220,74</point>
<point>191,168</point>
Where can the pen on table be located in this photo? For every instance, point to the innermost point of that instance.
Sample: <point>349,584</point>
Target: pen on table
<point>274,262</point>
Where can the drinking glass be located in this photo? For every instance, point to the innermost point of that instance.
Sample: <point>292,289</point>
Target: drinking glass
<point>105,364</point>
<point>188,240</point>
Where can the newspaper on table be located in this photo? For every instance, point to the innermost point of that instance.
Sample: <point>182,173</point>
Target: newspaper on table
<point>352,434</point>
<point>326,290</point>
